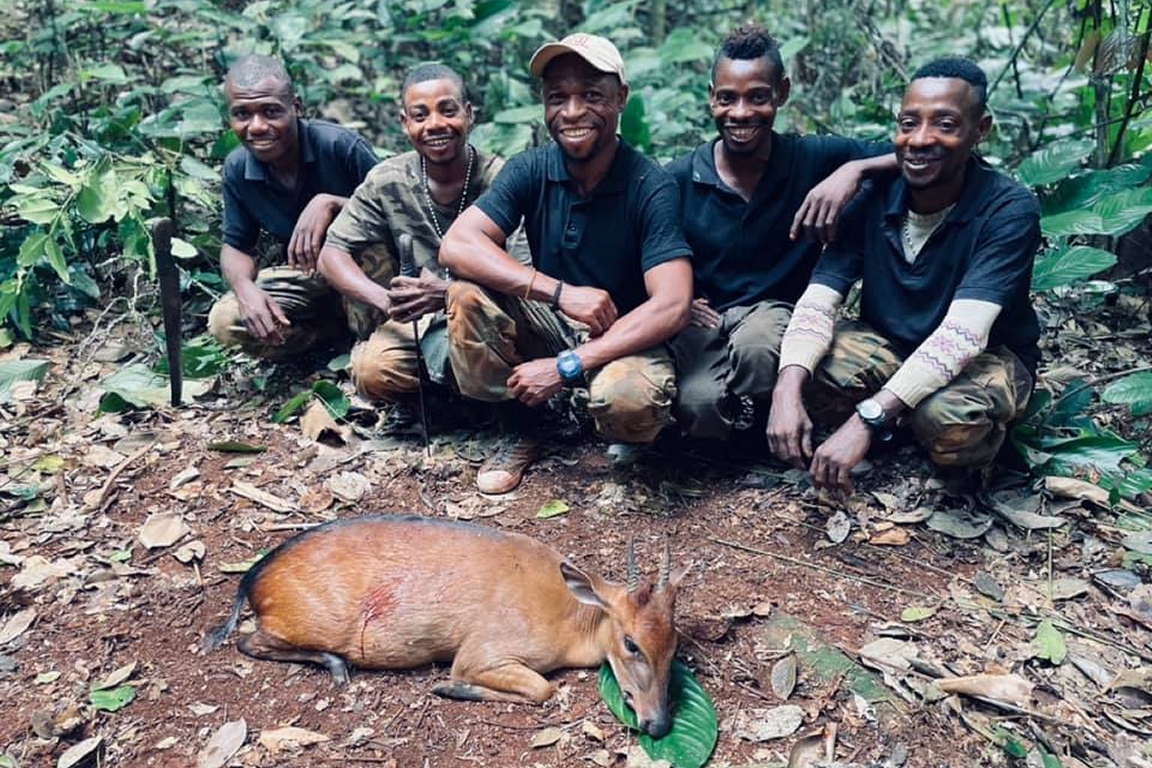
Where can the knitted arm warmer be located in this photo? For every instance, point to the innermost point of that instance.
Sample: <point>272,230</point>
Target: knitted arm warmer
<point>809,333</point>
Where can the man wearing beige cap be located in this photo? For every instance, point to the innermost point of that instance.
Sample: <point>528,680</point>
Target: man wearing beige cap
<point>610,279</point>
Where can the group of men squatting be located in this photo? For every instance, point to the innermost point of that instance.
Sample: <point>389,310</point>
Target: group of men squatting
<point>706,292</point>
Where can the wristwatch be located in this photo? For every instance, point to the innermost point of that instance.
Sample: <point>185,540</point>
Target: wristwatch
<point>871,412</point>
<point>570,367</point>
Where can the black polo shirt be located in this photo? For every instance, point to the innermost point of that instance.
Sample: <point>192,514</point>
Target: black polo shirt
<point>608,239</point>
<point>983,250</point>
<point>741,253</point>
<point>336,160</point>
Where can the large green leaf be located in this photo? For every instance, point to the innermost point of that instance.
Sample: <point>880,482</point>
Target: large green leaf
<point>1054,162</point>
<point>1103,452</point>
<point>1067,264</point>
<point>634,125</point>
<point>694,728</point>
<point>528,114</point>
<point>1050,643</point>
<point>683,45</point>
<point>12,371</point>
<point>96,202</point>
<point>1134,390</point>
<point>1082,192</point>
<point>1112,215</point>
<point>333,398</point>
<point>139,386</point>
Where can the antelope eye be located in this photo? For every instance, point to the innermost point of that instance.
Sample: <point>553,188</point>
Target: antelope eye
<point>630,645</point>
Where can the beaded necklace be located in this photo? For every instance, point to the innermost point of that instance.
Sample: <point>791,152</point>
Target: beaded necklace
<point>463,190</point>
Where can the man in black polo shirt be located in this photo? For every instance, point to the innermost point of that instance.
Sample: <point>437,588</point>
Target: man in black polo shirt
<point>289,178</point>
<point>609,281</point>
<point>947,335</point>
<point>746,199</point>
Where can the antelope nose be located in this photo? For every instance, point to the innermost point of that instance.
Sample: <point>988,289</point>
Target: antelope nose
<point>657,728</point>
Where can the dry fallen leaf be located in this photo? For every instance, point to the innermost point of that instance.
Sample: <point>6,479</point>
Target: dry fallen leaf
<point>75,754</point>
<point>276,739</point>
<point>766,724</point>
<point>116,677</point>
<point>892,537</point>
<point>1012,689</point>
<point>547,737</point>
<point>592,731</point>
<point>784,677</point>
<point>16,625</point>
<point>348,486</point>
<point>263,498</point>
<point>193,550</point>
<point>223,745</point>
<point>317,424</point>
<point>162,529</point>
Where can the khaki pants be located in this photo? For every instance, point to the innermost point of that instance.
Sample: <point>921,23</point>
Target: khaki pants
<point>489,334</point>
<point>311,306</point>
<point>715,367</point>
<point>385,366</point>
<point>962,424</point>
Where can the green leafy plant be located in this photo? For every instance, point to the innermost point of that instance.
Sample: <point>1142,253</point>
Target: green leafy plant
<point>326,392</point>
<point>694,727</point>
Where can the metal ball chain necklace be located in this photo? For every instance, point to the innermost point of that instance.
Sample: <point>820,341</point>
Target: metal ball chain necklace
<point>463,190</point>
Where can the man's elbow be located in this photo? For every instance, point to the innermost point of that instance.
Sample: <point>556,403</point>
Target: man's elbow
<point>450,250</point>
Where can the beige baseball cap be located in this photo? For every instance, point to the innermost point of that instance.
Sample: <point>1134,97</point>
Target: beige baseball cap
<point>595,50</point>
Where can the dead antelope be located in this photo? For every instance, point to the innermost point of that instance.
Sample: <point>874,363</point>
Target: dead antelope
<point>392,592</point>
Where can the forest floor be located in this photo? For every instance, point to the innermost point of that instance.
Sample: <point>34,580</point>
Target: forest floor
<point>123,536</point>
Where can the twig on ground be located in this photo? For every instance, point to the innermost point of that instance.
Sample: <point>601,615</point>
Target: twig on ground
<point>106,489</point>
<point>822,568</point>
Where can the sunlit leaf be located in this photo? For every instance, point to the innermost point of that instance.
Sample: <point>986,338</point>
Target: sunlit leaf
<point>694,728</point>
<point>1050,643</point>
<point>917,613</point>
<point>332,397</point>
<point>1067,264</point>
<point>113,699</point>
<point>290,408</point>
<point>12,371</point>
<point>553,508</point>
<point>1134,390</point>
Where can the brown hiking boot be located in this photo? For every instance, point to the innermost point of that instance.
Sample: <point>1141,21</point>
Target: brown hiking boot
<point>502,471</point>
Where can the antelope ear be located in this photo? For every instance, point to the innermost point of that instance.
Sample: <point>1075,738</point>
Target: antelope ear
<point>583,586</point>
<point>678,576</point>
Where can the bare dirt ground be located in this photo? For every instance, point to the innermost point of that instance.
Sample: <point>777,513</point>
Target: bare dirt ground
<point>777,571</point>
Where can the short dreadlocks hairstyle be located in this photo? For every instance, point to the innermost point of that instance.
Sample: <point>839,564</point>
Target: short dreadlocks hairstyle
<point>750,42</point>
<point>961,68</point>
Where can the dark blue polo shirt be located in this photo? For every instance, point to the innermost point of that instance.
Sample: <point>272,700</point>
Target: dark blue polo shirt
<point>983,250</point>
<point>741,253</point>
<point>336,160</point>
<point>608,239</point>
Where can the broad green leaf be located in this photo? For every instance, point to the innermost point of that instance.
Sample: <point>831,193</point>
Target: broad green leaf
<point>55,258</point>
<point>38,210</point>
<point>1082,192</point>
<point>84,283</point>
<point>1134,390</point>
<point>515,115</point>
<point>333,398</point>
<point>112,6</point>
<point>1015,748</point>
<point>288,27</point>
<point>1103,453</point>
<point>634,125</point>
<point>32,249</point>
<point>915,613</point>
<point>6,337</point>
<point>96,202</point>
<point>1050,760</point>
<point>1112,215</point>
<point>235,446</point>
<point>12,371</point>
<point>694,728</point>
<point>1054,162</point>
<point>142,387</point>
<point>197,169</point>
<point>1050,643</point>
<point>684,45</point>
<point>182,249</point>
<point>294,404</point>
<point>345,49</point>
<point>340,363</point>
<point>112,700</point>
<point>552,508</point>
<point>200,118</point>
<point>109,73</point>
<point>1067,264</point>
<point>49,465</point>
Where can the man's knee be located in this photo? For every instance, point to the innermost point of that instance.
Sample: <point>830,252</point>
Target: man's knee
<point>384,374</point>
<point>959,428</point>
<point>699,411</point>
<point>631,398</point>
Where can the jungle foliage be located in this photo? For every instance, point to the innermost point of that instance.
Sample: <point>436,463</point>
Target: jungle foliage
<point>112,115</point>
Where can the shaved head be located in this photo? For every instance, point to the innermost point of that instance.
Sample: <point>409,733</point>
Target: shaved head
<point>253,69</point>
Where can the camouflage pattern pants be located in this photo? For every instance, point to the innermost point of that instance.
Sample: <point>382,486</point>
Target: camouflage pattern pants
<point>385,366</point>
<point>489,334</point>
<point>716,367</point>
<point>960,425</point>
<point>311,306</point>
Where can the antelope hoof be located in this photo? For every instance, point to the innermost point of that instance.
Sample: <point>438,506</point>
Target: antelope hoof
<point>457,689</point>
<point>337,667</point>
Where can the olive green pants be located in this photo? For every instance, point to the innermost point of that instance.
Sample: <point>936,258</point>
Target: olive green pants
<point>962,424</point>
<point>313,310</point>
<point>716,367</point>
<point>489,334</point>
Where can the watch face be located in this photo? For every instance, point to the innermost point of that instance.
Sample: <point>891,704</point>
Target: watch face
<point>870,409</point>
<point>568,363</point>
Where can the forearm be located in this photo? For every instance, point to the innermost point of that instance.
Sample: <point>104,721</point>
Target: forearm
<point>653,322</point>
<point>809,333</point>
<point>238,268</point>
<point>961,336</point>
<point>875,167</point>
<point>345,275</point>
<point>469,253</point>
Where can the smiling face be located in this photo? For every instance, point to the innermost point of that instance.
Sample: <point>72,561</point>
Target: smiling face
<point>743,97</point>
<point>437,120</point>
<point>582,108</point>
<point>939,124</point>
<point>264,117</point>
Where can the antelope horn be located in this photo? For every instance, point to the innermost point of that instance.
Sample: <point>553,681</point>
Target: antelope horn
<point>633,573</point>
<point>665,565</point>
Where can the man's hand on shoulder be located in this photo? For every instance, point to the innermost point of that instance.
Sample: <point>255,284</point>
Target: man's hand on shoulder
<point>591,306</point>
<point>818,215</point>
<point>311,228</point>
<point>261,315</point>
<point>535,381</point>
<point>414,297</point>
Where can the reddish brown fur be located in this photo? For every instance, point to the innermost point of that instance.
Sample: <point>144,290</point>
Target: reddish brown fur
<point>397,592</point>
